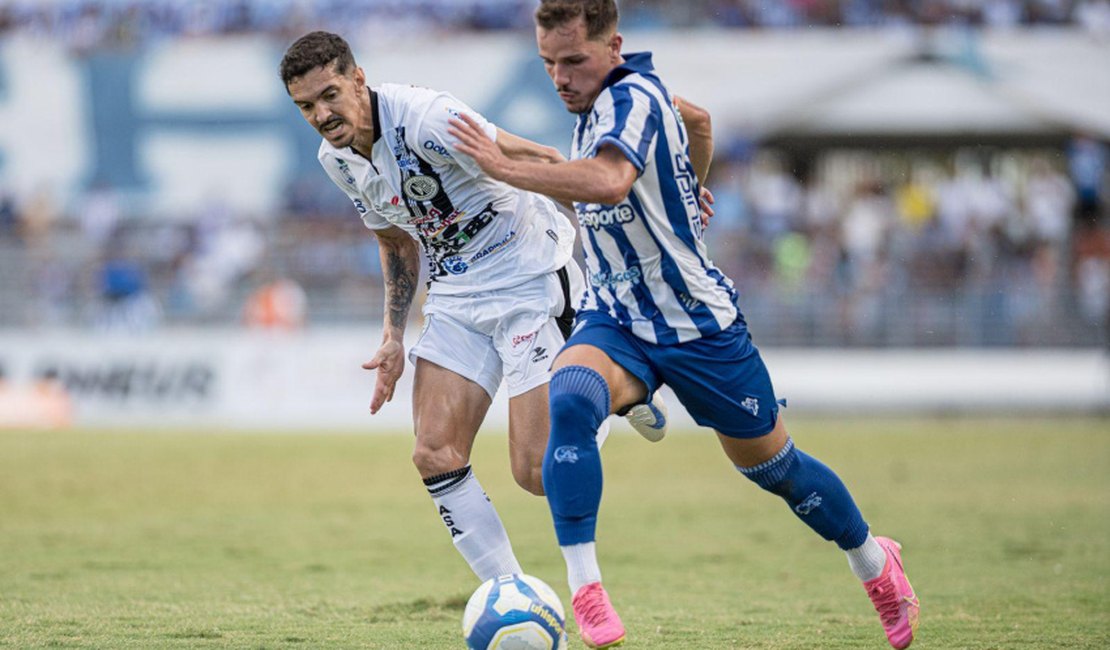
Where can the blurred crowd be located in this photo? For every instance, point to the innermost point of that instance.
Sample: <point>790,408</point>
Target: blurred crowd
<point>977,247</point>
<point>87,24</point>
<point>854,247</point>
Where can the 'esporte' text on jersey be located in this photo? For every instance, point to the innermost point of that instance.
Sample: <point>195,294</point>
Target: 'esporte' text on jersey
<point>478,234</point>
<point>645,258</point>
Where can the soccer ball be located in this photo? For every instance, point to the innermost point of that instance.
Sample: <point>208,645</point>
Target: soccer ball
<point>514,612</point>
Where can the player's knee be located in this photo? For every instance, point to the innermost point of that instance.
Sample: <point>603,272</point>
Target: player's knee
<point>530,477</point>
<point>579,401</point>
<point>433,459</point>
<point>774,475</point>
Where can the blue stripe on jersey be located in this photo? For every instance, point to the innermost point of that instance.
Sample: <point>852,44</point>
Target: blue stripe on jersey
<point>622,108</point>
<point>617,307</point>
<point>676,212</point>
<point>701,315</point>
<point>664,334</point>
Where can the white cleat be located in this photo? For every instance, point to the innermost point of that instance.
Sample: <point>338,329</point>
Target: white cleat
<point>649,420</point>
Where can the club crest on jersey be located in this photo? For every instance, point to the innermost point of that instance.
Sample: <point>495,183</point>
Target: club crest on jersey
<point>455,265</point>
<point>345,171</point>
<point>421,188</point>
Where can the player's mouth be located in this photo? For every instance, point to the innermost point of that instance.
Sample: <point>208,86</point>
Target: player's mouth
<point>331,127</point>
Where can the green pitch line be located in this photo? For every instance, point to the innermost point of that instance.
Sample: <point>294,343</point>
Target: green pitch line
<point>179,540</point>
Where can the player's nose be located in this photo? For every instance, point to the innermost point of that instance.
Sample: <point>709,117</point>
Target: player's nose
<point>321,115</point>
<point>559,76</point>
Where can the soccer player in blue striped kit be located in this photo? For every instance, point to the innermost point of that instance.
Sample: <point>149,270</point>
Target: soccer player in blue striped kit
<point>657,311</point>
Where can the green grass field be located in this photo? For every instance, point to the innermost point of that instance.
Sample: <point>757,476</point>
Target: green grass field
<point>192,540</point>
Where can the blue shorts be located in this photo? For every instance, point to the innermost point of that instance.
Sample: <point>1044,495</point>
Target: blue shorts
<point>720,379</point>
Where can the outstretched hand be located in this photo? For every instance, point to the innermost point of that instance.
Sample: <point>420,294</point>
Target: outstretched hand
<point>706,200</point>
<point>474,142</point>
<point>390,363</point>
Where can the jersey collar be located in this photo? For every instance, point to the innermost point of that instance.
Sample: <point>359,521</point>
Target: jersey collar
<point>635,62</point>
<point>374,115</point>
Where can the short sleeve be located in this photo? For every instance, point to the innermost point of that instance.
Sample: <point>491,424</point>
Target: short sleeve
<point>437,145</point>
<point>630,123</point>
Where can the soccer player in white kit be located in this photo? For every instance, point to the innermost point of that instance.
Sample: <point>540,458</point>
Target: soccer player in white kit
<point>500,277</point>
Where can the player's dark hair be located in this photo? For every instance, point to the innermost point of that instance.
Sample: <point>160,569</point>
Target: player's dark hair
<point>315,50</point>
<point>600,15</point>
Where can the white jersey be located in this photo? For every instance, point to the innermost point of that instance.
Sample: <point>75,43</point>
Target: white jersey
<point>646,261</point>
<point>477,233</point>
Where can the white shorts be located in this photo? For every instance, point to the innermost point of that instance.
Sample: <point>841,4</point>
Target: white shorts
<point>512,333</point>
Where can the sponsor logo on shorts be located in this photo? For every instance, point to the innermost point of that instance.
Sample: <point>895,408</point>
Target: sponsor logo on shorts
<point>751,405</point>
<point>566,454</point>
<point>808,505</point>
<point>539,354</point>
<point>521,338</point>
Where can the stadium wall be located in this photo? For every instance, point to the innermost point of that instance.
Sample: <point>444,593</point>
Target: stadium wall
<point>236,379</point>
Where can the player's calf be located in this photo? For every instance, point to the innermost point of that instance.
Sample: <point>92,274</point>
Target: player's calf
<point>814,492</point>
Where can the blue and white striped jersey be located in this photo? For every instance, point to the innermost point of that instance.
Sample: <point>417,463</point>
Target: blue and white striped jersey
<point>646,261</point>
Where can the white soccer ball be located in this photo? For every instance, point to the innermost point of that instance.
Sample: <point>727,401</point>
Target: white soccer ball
<point>514,612</point>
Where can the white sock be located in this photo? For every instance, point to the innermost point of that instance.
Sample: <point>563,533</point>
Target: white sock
<point>475,528</point>
<point>867,560</point>
<point>582,568</point>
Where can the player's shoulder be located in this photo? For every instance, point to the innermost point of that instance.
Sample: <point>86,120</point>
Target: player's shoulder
<point>328,152</point>
<point>402,99</point>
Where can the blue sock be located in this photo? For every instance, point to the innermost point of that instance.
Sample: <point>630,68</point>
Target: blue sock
<point>579,400</point>
<point>815,494</point>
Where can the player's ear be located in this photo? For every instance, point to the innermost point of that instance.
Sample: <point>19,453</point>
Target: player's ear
<point>360,76</point>
<point>615,42</point>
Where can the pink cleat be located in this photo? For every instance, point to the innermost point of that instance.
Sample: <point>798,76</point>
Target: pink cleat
<point>598,622</point>
<point>893,597</point>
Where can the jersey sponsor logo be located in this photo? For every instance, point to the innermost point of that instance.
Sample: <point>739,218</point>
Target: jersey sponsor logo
<point>432,145</point>
<point>493,248</point>
<point>687,187</point>
<point>808,504</point>
<point>431,228</point>
<point>406,162</point>
<point>631,275</point>
<point>345,171</point>
<point>359,205</point>
<point>421,188</point>
<point>689,302</point>
<point>454,265</point>
<point>523,338</point>
<point>751,405</point>
<point>603,217</point>
<point>566,454</point>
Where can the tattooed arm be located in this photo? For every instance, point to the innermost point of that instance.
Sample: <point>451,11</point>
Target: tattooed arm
<point>400,268</point>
